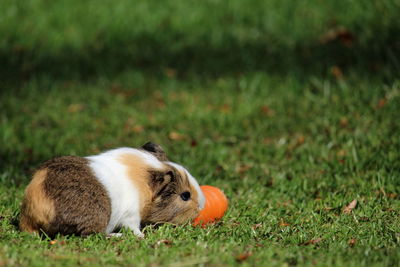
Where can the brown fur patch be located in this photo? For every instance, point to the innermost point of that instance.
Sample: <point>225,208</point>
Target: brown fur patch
<point>139,174</point>
<point>37,210</point>
<point>81,205</point>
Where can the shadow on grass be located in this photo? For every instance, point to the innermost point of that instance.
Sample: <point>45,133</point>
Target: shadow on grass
<point>150,53</point>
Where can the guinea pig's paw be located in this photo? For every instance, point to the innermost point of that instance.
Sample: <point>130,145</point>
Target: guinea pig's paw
<point>115,235</point>
<point>138,233</point>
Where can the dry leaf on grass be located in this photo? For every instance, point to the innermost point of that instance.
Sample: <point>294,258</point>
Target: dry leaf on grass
<point>243,256</point>
<point>166,242</point>
<point>341,153</point>
<point>55,241</point>
<point>340,34</point>
<point>235,223</point>
<point>225,108</point>
<point>350,207</point>
<point>352,242</point>
<point>381,103</point>
<point>243,168</point>
<point>284,224</point>
<point>170,73</point>
<point>120,91</point>
<point>344,122</point>
<point>138,128</point>
<point>193,143</point>
<point>176,136</point>
<point>300,140</point>
<point>256,226</point>
<point>73,108</point>
<point>313,241</point>
<point>337,72</point>
<point>267,111</point>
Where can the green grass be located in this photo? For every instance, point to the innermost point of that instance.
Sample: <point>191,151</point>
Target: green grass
<point>290,156</point>
<point>250,96</point>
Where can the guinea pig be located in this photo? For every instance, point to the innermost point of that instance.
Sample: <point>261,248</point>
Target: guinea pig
<point>123,187</point>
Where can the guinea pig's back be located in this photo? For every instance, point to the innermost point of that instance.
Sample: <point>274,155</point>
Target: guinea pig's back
<point>65,197</point>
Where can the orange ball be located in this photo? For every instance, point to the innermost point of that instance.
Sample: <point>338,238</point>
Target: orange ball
<point>215,206</point>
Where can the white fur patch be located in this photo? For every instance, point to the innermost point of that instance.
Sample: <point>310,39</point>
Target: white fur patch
<point>125,208</point>
<point>194,183</point>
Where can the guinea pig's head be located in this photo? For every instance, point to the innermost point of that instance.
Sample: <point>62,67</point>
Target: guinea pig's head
<point>177,197</point>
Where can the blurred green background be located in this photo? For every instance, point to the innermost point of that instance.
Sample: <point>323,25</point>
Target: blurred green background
<point>72,38</point>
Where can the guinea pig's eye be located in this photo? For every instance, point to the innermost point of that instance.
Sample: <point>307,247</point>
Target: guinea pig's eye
<point>185,196</point>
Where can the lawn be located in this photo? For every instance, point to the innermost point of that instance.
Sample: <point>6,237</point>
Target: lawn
<point>293,119</point>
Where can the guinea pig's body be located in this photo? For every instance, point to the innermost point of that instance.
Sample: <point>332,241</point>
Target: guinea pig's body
<point>124,187</point>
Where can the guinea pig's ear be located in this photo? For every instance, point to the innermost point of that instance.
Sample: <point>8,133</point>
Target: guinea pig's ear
<point>162,180</point>
<point>156,150</point>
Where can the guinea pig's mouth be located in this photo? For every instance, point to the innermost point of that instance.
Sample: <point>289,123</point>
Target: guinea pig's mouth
<point>186,216</point>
